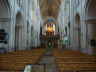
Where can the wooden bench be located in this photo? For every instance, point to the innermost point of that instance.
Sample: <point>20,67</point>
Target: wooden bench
<point>15,61</point>
<point>74,61</point>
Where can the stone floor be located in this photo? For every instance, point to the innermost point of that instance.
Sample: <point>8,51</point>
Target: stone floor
<point>49,62</point>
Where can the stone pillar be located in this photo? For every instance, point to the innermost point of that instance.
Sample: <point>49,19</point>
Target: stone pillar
<point>72,34</point>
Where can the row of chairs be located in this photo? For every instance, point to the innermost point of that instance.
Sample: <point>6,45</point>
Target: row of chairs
<point>68,60</point>
<point>15,61</point>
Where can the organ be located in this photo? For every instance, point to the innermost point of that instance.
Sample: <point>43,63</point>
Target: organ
<point>50,29</point>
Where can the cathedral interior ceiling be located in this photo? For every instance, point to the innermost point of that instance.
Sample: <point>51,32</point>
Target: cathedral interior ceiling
<point>50,8</point>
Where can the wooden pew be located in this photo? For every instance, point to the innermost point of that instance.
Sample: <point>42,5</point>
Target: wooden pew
<point>74,61</point>
<point>15,61</point>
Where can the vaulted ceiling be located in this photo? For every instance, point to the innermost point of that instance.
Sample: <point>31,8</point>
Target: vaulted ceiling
<point>49,8</point>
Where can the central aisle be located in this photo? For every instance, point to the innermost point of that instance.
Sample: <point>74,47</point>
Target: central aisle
<point>49,61</point>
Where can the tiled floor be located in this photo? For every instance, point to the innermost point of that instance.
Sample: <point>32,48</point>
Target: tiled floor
<point>49,61</point>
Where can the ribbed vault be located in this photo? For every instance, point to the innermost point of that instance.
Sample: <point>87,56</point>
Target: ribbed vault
<point>49,8</point>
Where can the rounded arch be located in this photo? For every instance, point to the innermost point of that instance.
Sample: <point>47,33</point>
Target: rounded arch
<point>90,9</point>
<point>5,15</point>
<point>5,6</point>
<point>86,5</point>
<point>9,6</point>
